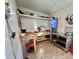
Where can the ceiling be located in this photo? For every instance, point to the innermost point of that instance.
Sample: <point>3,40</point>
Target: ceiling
<point>45,6</point>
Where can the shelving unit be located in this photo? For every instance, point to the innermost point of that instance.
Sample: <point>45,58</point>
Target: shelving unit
<point>42,39</point>
<point>60,45</point>
<point>23,15</point>
<point>44,36</point>
<point>61,41</point>
<point>20,16</point>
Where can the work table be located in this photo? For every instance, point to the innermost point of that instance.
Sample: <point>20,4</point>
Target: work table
<point>42,36</point>
<point>42,33</point>
<point>31,36</point>
<point>34,37</point>
<point>28,37</point>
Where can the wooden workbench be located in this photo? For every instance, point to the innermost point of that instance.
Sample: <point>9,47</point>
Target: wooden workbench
<point>42,36</point>
<point>32,36</point>
<point>28,37</point>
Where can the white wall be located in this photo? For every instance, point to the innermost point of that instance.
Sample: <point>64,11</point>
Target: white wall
<point>61,15</point>
<point>14,26</point>
<point>31,24</point>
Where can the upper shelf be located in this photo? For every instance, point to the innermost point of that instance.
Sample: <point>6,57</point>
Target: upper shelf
<point>23,15</point>
<point>69,26</point>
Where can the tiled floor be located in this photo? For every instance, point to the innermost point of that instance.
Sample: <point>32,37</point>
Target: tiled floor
<point>46,50</point>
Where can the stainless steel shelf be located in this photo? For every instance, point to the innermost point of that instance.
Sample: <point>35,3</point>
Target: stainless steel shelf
<point>59,46</point>
<point>61,41</point>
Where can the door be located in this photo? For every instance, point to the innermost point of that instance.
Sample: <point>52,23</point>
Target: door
<point>13,48</point>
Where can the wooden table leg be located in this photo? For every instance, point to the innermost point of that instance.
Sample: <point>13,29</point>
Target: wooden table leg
<point>24,51</point>
<point>34,42</point>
